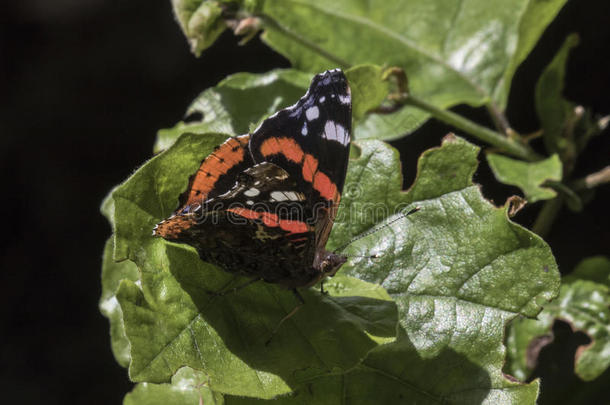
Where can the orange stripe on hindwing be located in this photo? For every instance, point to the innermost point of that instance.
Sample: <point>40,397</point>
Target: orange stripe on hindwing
<point>291,150</point>
<point>227,156</point>
<point>272,220</point>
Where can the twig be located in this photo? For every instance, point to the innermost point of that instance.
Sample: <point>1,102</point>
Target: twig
<point>547,216</point>
<point>498,117</point>
<point>493,138</point>
<point>593,180</point>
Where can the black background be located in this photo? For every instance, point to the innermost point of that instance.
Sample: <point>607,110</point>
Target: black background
<point>84,85</point>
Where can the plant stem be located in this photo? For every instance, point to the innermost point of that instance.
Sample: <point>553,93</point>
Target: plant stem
<point>272,25</point>
<point>593,179</point>
<point>480,132</point>
<point>498,117</point>
<point>546,217</point>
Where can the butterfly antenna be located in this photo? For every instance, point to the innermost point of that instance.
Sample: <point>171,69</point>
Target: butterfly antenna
<point>373,230</point>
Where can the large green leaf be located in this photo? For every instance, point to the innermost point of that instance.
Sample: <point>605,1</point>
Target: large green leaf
<point>584,302</point>
<point>452,52</point>
<point>528,176</point>
<point>458,270</point>
<point>171,320</point>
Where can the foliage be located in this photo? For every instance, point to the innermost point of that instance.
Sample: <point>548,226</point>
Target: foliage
<point>584,302</point>
<point>418,314</point>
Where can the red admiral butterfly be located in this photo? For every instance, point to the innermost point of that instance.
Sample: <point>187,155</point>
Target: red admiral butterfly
<point>263,205</point>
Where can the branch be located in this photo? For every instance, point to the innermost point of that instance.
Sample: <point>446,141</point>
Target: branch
<point>547,216</point>
<point>482,133</point>
<point>594,179</point>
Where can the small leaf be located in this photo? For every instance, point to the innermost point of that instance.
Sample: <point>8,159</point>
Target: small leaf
<point>584,302</point>
<point>553,110</point>
<point>201,22</point>
<point>112,274</point>
<point>187,388</point>
<point>237,102</point>
<point>528,176</point>
<point>368,88</point>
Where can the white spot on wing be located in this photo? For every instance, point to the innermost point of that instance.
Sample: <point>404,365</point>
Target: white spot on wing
<point>336,132</point>
<point>253,192</point>
<point>304,129</point>
<point>345,98</point>
<point>250,202</point>
<point>312,113</point>
<point>278,196</point>
<point>322,99</point>
<point>286,195</point>
<point>292,196</point>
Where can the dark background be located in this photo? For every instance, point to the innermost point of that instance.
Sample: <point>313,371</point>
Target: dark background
<point>84,86</point>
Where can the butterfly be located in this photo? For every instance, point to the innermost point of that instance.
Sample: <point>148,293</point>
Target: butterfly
<point>262,205</point>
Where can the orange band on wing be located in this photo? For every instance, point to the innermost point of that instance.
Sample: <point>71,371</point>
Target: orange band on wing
<point>293,152</point>
<point>227,155</point>
<point>282,146</point>
<point>325,187</point>
<point>272,220</point>
<point>293,226</point>
<point>310,166</point>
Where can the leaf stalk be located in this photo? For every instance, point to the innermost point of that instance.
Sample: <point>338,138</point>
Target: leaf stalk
<point>482,133</point>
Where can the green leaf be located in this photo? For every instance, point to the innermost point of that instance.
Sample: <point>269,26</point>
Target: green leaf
<point>553,110</point>
<point>201,22</point>
<point>457,267</point>
<point>112,274</point>
<point>458,270</point>
<point>152,193</point>
<point>529,177</point>
<point>187,388</point>
<point>368,87</point>
<point>171,320</point>
<point>452,52</point>
<point>238,103</point>
<point>584,302</point>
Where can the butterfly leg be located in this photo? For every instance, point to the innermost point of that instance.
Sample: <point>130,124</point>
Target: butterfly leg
<point>322,291</point>
<point>290,314</point>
